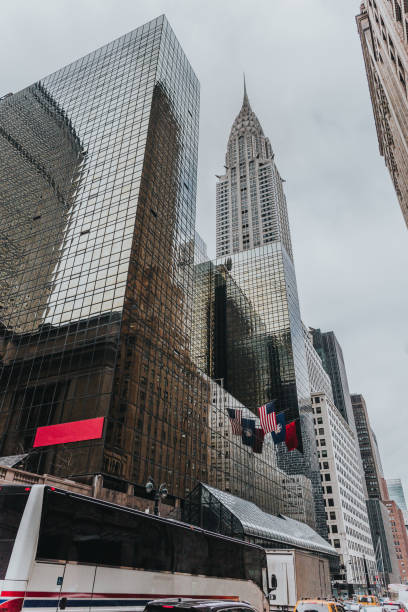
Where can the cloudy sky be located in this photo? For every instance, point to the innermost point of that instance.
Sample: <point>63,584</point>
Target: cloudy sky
<point>306,82</point>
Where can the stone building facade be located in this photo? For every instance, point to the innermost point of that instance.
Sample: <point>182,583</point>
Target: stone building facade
<point>383,30</point>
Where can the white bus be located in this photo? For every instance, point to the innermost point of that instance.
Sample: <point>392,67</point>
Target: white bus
<point>64,551</point>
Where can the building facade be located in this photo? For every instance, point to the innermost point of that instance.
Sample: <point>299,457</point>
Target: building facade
<point>396,493</point>
<point>331,354</point>
<point>383,542</point>
<point>368,448</point>
<point>252,474</point>
<point>343,491</point>
<point>386,554</point>
<point>383,30</point>
<point>98,172</point>
<point>319,379</point>
<point>248,298</point>
<point>251,204</point>
<point>400,536</point>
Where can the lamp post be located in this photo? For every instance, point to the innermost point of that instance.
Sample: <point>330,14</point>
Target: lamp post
<point>160,493</point>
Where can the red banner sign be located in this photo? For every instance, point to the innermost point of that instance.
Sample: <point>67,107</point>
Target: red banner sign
<point>90,429</point>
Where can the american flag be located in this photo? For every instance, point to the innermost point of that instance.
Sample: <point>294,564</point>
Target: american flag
<point>267,416</point>
<point>235,420</point>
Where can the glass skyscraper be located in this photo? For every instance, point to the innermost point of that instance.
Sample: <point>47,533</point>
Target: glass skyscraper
<point>98,165</point>
<point>331,354</point>
<point>247,298</point>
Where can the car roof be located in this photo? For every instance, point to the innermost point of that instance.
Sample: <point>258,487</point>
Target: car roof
<point>318,601</point>
<point>199,603</point>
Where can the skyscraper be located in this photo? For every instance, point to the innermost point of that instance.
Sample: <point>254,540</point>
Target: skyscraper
<point>383,30</point>
<point>344,493</point>
<point>331,354</point>
<point>367,443</point>
<point>251,204</point>
<point>250,300</point>
<point>381,530</point>
<point>98,169</point>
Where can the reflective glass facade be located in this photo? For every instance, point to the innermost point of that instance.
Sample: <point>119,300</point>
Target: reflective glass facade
<point>248,330</point>
<point>248,333</point>
<point>98,167</point>
<point>256,342</point>
<point>252,476</point>
<point>331,354</point>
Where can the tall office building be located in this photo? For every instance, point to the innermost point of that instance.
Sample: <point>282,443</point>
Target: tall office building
<point>98,169</point>
<point>368,450</point>
<point>251,204</point>
<point>381,530</point>
<point>383,30</point>
<point>248,297</point>
<point>344,493</point>
<point>331,354</point>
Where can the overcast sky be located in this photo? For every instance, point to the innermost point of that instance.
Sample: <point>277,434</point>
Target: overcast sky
<point>306,82</point>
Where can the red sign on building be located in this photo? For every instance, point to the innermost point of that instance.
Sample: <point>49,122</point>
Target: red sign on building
<point>76,431</point>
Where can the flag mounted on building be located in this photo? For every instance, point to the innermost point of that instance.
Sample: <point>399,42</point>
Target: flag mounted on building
<point>294,436</point>
<point>235,420</point>
<point>280,434</point>
<point>259,439</point>
<point>248,432</point>
<point>267,416</point>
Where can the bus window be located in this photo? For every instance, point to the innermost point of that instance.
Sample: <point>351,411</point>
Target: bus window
<point>254,561</point>
<point>76,530</point>
<point>191,552</point>
<point>226,558</point>
<point>12,504</point>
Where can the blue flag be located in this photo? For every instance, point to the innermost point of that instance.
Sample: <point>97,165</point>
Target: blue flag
<point>248,431</point>
<point>280,435</point>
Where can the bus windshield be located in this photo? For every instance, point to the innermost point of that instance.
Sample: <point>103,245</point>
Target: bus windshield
<point>12,504</point>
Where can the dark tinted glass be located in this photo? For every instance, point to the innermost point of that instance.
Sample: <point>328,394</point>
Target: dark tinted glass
<point>226,558</point>
<point>77,530</point>
<point>81,530</point>
<point>254,561</point>
<point>11,510</point>
<point>191,554</point>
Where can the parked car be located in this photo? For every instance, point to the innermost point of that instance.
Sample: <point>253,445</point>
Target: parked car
<point>198,605</point>
<point>371,608</point>
<point>318,605</point>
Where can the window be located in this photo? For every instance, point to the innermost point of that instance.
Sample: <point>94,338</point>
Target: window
<point>85,531</point>
<point>336,543</point>
<point>327,477</point>
<point>12,506</point>
<point>332,516</point>
<point>330,502</point>
<point>334,528</point>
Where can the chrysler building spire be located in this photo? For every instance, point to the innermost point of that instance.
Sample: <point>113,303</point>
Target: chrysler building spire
<point>245,101</point>
<point>251,204</point>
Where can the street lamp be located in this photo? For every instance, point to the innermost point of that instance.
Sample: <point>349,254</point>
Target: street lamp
<point>160,493</point>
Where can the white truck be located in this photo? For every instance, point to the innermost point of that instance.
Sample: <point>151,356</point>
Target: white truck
<point>294,575</point>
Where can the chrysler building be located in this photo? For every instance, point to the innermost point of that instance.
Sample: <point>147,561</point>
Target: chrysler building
<point>251,204</point>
